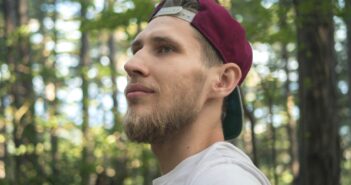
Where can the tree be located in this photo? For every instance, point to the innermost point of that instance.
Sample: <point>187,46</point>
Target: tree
<point>51,83</point>
<point>113,63</point>
<point>347,19</point>
<point>284,7</point>
<point>9,10</point>
<point>250,116</point>
<point>319,150</point>
<point>268,87</point>
<point>24,134</point>
<point>84,61</point>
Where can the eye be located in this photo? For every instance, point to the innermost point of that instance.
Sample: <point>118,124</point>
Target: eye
<point>135,50</point>
<point>164,49</point>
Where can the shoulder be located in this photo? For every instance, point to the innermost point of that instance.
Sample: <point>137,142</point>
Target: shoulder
<point>225,164</point>
<point>225,175</point>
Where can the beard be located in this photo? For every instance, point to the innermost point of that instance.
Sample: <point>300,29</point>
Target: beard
<point>165,118</point>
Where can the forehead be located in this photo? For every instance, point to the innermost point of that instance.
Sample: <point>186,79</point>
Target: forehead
<point>174,28</point>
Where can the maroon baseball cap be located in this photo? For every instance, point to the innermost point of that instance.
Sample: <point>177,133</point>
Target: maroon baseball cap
<point>228,38</point>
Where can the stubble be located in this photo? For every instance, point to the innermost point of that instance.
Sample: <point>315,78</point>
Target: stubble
<point>164,119</point>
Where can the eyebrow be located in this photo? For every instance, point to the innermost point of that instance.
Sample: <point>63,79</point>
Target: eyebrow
<point>157,40</point>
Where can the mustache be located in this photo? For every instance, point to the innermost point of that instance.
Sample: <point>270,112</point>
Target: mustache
<point>137,84</point>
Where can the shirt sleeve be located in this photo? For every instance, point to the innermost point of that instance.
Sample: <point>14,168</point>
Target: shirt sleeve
<point>225,175</point>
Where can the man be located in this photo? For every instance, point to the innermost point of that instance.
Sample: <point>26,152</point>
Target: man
<point>183,94</point>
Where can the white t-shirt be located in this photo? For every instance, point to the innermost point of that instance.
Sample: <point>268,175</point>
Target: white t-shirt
<point>220,164</point>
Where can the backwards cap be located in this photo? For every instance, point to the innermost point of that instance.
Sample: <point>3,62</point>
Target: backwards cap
<point>228,38</point>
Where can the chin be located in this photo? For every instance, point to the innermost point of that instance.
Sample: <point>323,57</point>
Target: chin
<point>139,110</point>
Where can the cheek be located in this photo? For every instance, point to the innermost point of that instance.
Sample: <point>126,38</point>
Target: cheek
<point>184,85</point>
<point>176,78</point>
<point>170,90</point>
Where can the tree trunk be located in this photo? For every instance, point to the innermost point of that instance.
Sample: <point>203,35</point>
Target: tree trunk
<point>249,114</point>
<point>84,66</point>
<point>273,139</point>
<point>319,146</point>
<point>268,93</point>
<point>113,63</point>
<point>3,148</point>
<point>284,6</point>
<point>291,126</point>
<point>18,59</point>
<point>347,20</point>
<point>9,9</point>
<point>119,162</point>
<point>27,99</point>
<point>53,108</point>
<point>147,178</point>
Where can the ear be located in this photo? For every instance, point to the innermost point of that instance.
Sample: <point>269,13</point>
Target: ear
<point>228,77</point>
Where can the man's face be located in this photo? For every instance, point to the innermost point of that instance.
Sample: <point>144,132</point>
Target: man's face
<point>167,80</point>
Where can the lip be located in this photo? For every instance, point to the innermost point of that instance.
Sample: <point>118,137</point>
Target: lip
<point>136,90</point>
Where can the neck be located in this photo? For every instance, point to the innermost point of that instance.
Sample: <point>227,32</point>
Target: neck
<point>188,141</point>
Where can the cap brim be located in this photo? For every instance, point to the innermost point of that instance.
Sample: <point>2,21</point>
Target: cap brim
<point>233,120</point>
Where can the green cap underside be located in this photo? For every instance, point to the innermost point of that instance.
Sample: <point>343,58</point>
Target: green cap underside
<point>233,120</point>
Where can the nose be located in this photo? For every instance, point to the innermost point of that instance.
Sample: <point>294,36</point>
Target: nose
<point>135,66</point>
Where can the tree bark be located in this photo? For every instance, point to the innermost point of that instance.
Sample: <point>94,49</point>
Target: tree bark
<point>284,6</point>
<point>273,138</point>
<point>119,162</point>
<point>25,76</point>
<point>18,59</point>
<point>3,133</point>
<point>146,167</point>
<point>291,126</point>
<point>319,146</point>
<point>53,109</point>
<point>9,11</point>
<point>249,114</point>
<point>268,93</point>
<point>347,19</point>
<point>113,63</point>
<point>84,66</point>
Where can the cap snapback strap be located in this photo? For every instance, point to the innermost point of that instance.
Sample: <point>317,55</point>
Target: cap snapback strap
<point>177,11</point>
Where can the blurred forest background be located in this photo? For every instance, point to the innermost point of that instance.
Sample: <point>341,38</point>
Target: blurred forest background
<point>62,82</point>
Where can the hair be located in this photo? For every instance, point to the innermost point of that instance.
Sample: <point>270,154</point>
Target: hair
<point>209,54</point>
